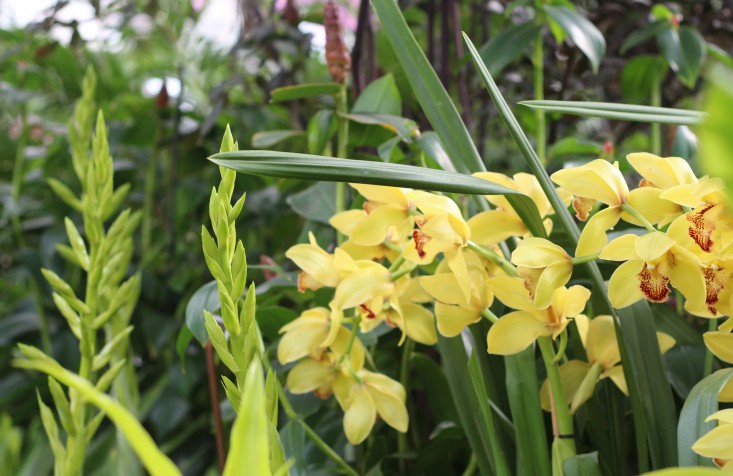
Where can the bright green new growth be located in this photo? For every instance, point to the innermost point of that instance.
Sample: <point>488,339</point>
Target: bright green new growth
<point>108,301</point>
<point>255,442</point>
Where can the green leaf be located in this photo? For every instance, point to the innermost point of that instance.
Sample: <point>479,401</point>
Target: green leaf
<point>498,458</point>
<point>686,472</point>
<point>321,128</point>
<point>661,12</point>
<point>621,112</point>
<point>249,445</point>
<point>381,96</point>
<point>638,77</point>
<point>524,401</point>
<point>643,34</point>
<point>572,147</point>
<point>508,45</point>
<point>435,384</point>
<point>720,55</point>
<point>651,396</point>
<point>584,34</point>
<point>395,124</point>
<point>685,50</point>
<point>316,203</point>
<point>429,142</point>
<point>152,458</point>
<point>582,465</point>
<point>313,167</point>
<point>293,438</point>
<point>716,140</point>
<point>700,404</point>
<point>643,364</point>
<point>263,139</point>
<point>301,91</point>
<point>455,364</point>
<point>429,91</point>
<point>206,298</point>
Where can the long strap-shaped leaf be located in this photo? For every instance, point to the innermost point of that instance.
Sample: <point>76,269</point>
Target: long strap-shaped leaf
<point>330,169</point>
<point>157,463</point>
<point>621,112</point>
<point>651,396</point>
<point>430,93</point>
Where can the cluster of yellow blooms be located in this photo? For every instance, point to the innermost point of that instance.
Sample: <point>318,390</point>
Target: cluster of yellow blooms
<point>687,241</point>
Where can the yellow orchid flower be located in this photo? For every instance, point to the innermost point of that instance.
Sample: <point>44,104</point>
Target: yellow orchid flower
<point>579,378</point>
<point>494,226</point>
<point>661,172</point>
<point>452,312</point>
<point>720,344</point>
<point>544,266</point>
<point>386,216</point>
<point>303,337</point>
<point>322,376</point>
<point>601,181</point>
<point>517,330</point>
<point>652,262</point>
<point>319,266</point>
<point>403,310</point>
<point>366,281</point>
<point>716,443</point>
<point>376,394</point>
<point>442,229</point>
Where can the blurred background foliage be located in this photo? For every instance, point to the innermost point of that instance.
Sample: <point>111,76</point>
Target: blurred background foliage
<point>172,74</point>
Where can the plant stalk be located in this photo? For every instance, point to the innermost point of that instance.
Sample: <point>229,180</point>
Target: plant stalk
<point>656,128</point>
<point>342,150</point>
<point>538,61</point>
<point>560,407</point>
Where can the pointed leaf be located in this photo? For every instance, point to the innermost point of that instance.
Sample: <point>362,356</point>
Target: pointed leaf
<point>314,167</point>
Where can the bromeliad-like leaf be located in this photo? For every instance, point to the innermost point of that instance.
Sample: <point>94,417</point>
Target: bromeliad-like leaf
<point>584,34</point>
<point>620,112</point>
<point>433,98</point>
<point>330,169</point>
<point>700,404</point>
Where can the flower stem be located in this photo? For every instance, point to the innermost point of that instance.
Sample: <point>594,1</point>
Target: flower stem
<point>341,151</point>
<point>634,213</point>
<point>561,348</point>
<point>352,337</point>
<point>539,94</point>
<point>493,257</point>
<point>486,312</point>
<point>584,259</point>
<point>394,276</point>
<point>656,100</point>
<point>560,407</point>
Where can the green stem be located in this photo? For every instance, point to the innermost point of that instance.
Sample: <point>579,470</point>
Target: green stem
<point>42,318</point>
<point>584,259</point>
<point>472,464</point>
<point>539,94</point>
<point>352,338</point>
<point>561,410</point>
<point>634,213</point>
<point>561,348</point>
<point>708,368</point>
<point>17,180</point>
<point>402,444</point>
<point>398,262</point>
<point>493,257</point>
<point>486,312</point>
<point>656,100</point>
<point>394,276</point>
<point>342,150</point>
